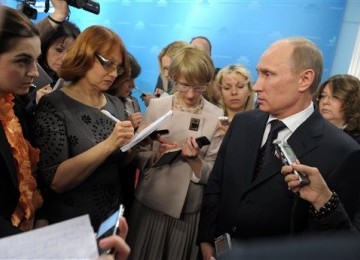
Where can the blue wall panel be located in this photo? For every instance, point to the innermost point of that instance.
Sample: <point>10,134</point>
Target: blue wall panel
<point>239,30</point>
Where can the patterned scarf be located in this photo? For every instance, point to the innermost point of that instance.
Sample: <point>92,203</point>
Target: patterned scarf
<point>26,159</point>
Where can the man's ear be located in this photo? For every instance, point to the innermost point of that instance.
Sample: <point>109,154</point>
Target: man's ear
<point>306,79</point>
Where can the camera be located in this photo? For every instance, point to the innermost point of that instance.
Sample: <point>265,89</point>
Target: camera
<point>87,5</point>
<point>26,7</point>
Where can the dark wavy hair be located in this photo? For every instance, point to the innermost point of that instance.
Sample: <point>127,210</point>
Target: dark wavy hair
<point>14,26</point>
<point>135,70</point>
<point>66,29</point>
<point>345,88</point>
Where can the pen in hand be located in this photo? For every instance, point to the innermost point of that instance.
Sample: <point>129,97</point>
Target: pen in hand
<point>109,115</point>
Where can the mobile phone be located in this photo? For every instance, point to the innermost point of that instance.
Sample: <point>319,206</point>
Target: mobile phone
<point>60,83</point>
<point>156,133</point>
<point>202,141</point>
<point>287,156</point>
<point>222,244</point>
<point>43,79</point>
<point>224,120</point>
<point>109,227</point>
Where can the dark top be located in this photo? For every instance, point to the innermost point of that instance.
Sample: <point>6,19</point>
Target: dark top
<point>65,128</point>
<point>263,208</point>
<point>9,188</point>
<point>159,85</point>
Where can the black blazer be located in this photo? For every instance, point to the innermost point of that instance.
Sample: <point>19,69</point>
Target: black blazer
<point>233,203</point>
<point>9,191</point>
<point>9,187</point>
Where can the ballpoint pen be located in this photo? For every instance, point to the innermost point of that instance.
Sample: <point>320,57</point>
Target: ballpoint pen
<point>109,115</point>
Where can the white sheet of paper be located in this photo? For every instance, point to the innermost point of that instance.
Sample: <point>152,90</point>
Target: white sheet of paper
<point>146,132</point>
<point>70,239</point>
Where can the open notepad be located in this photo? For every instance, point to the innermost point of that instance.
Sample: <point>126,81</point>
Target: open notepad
<point>146,131</point>
<point>167,158</point>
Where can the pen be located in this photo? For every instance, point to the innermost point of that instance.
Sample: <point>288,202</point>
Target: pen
<point>127,111</point>
<point>109,115</point>
<point>142,91</point>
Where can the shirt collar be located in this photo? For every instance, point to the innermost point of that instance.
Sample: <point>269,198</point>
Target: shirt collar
<point>294,121</point>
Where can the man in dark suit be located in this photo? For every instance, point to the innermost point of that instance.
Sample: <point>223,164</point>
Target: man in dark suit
<point>249,203</point>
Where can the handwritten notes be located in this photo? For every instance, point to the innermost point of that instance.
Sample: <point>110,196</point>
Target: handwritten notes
<point>72,238</point>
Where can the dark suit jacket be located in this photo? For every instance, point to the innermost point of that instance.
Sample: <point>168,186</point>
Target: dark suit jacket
<point>233,203</point>
<point>334,247</point>
<point>9,191</point>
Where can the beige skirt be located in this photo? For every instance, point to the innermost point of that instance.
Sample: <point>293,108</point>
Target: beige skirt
<point>154,235</point>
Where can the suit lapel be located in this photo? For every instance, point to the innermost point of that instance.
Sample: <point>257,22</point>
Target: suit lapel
<point>6,153</point>
<point>255,130</point>
<point>303,140</point>
<point>307,136</point>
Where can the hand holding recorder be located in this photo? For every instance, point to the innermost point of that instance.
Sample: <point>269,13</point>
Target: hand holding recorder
<point>316,192</point>
<point>287,156</point>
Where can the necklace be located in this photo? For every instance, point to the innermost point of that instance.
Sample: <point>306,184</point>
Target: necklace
<point>193,110</point>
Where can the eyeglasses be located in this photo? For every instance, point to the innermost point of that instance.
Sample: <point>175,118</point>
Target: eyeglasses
<point>109,65</point>
<point>236,87</point>
<point>323,97</point>
<point>183,87</point>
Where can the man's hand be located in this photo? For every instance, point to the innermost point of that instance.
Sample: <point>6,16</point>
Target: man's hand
<point>122,249</point>
<point>61,11</point>
<point>207,251</point>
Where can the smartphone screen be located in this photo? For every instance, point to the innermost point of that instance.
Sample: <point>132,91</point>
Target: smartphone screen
<point>109,227</point>
<point>43,79</point>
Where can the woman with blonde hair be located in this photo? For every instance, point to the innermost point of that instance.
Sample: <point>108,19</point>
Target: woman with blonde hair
<point>237,95</point>
<point>163,85</point>
<point>165,215</point>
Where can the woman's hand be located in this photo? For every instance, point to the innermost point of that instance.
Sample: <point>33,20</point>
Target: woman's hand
<point>190,148</point>
<point>158,92</point>
<point>135,119</point>
<point>316,192</point>
<point>42,92</point>
<point>146,98</point>
<point>222,128</point>
<point>122,133</point>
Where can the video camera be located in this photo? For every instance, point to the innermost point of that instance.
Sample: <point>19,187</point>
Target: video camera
<point>88,5</point>
<point>27,6</point>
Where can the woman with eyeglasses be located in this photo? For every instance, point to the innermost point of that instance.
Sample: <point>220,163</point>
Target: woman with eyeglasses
<point>338,100</point>
<point>164,218</point>
<point>237,95</point>
<point>80,167</point>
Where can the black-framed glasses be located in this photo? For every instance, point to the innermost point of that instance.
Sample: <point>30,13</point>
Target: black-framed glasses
<point>109,65</point>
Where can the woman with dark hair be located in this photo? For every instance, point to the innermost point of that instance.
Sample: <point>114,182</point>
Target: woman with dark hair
<point>338,99</point>
<point>122,89</point>
<point>80,167</point>
<point>19,196</point>
<point>54,48</point>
